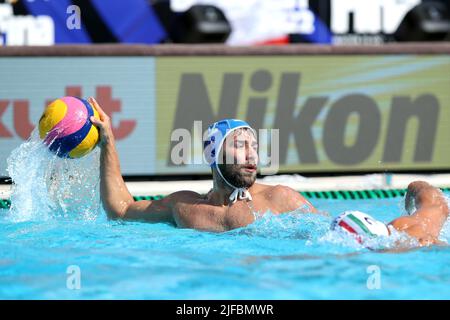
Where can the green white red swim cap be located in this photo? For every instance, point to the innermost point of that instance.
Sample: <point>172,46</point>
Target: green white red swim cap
<point>360,225</point>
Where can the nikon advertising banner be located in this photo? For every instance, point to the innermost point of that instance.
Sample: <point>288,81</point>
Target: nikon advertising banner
<point>334,113</point>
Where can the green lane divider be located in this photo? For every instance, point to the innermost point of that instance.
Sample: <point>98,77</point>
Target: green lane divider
<point>334,195</point>
<point>5,203</point>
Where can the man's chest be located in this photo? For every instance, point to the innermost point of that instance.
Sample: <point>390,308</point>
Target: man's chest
<point>222,218</point>
<point>245,212</point>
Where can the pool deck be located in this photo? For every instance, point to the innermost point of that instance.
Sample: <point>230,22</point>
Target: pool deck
<point>297,182</point>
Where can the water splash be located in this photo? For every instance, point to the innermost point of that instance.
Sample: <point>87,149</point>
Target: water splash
<point>315,231</point>
<point>445,232</point>
<point>46,186</point>
<point>294,225</point>
<point>395,241</point>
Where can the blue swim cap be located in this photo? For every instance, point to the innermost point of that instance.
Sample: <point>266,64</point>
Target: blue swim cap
<point>217,132</point>
<point>216,135</point>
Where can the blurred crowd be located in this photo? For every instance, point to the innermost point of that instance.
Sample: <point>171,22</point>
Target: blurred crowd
<point>235,22</point>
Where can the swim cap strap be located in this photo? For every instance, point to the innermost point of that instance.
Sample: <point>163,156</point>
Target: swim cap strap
<point>242,193</point>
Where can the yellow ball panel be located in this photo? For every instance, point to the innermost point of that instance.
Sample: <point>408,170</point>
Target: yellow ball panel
<point>53,114</point>
<point>96,115</point>
<point>88,143</point>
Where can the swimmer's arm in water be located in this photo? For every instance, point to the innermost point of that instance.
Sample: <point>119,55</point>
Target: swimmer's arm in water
<point>431,213</point>
<point>116,198</point>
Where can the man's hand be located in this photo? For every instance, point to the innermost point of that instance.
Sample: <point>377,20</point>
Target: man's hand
<point>104,123</point>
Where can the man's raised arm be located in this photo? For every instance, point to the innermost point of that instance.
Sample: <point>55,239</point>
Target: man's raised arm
<point>116,198</point>
<point>428,211</point>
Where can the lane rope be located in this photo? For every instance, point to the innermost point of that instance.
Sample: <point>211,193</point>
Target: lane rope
<point>333,194</point>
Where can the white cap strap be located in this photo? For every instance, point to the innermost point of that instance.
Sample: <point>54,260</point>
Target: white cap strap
<point>242,193</point>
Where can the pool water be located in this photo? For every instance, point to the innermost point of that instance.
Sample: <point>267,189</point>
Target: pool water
<point>56,243</point>
<point>277,257</point>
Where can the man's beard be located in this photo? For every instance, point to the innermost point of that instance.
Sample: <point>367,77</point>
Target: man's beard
<point>236,177</point>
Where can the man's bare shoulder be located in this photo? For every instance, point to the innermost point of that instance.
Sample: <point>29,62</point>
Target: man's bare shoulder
<point>278,190</point>
<point>260,188</point>
<point>192,210</point>
<point>286,198</point>
<point>184,196</point>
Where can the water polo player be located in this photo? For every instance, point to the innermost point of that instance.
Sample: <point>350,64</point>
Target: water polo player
<point>231,152</point>
<point>235,195</point>
<point>427,211</point>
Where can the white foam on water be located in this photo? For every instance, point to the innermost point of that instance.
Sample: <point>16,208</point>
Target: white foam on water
<point>445,232</point>
<point>293,225</point>
<point>46,186</point>
<point>396,240</point>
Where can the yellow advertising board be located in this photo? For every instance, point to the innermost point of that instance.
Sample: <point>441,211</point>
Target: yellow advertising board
<point>333,113</point>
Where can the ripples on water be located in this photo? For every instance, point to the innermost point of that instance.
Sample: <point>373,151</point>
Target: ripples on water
<point>56,220</point>
<point>46,186</point>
